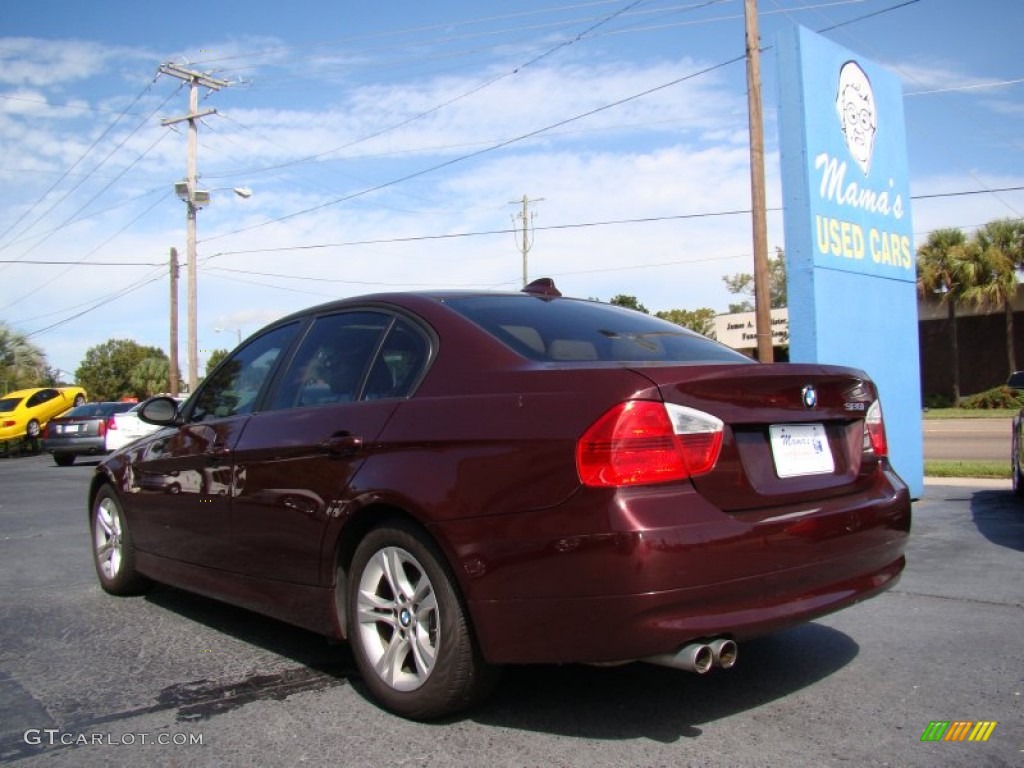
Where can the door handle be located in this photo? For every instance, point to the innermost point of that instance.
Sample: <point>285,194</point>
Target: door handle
<point>217,452</point>
<point>342,444</point>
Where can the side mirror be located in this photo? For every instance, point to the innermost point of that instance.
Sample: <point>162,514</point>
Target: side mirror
<point>160,411</point>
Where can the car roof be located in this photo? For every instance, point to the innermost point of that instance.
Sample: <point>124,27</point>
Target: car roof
<point>541,287</point>
<point>26,392</point>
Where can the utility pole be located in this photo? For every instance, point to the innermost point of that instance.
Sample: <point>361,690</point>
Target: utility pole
<point>188,194</point>
<point>175,376</point>
<point>762,289</point>
<point>526,217</point>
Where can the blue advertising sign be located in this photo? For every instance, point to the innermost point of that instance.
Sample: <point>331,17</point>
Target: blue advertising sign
<point>850,258</point>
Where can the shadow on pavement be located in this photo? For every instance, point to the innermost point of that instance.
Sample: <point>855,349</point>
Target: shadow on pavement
<point>661,704</point>
<point>999,517</point>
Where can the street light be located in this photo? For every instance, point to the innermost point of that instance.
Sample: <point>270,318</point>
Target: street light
<point>225,330</point>
<point>195,199</point>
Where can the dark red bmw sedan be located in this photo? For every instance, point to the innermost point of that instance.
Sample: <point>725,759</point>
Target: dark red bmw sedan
<point>454,481</point>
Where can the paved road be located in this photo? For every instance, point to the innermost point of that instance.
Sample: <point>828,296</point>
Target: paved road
<point>855,689</point>
<point>967,439</point>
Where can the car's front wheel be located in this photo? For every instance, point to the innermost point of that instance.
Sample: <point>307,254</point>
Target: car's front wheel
<point>408,628</point>
<point>112,548</point>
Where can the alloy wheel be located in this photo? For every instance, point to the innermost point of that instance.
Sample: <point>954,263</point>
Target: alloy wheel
<point>398,619</point>
<point>107,538</point>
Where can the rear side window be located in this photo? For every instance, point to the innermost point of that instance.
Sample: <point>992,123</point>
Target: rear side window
<point>572,330</point>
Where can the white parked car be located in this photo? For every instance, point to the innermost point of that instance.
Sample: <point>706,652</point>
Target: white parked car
<point>127,427</point>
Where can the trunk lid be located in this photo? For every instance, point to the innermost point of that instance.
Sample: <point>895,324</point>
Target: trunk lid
<point>793,432</point>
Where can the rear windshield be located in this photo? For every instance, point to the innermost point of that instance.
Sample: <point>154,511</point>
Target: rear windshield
<point>573,330</point>
<point>97,410</point>
<point>8,404</point>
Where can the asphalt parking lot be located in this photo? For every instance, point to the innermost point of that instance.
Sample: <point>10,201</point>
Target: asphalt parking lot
<point>173,679</point>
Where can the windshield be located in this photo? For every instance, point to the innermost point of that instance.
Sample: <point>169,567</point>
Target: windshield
<point>574,330</point>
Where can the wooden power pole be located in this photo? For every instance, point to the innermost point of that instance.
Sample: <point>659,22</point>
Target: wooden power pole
<point>762,285</point>
<point>175,376</point>
<point>526,217</point>
<point>188,194</point>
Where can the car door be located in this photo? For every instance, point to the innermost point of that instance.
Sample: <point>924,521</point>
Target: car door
<point>183,480</point>
<point>45,404</point>
<point>295,459</point>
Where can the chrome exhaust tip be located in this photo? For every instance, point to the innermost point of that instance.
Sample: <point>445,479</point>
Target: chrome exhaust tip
<point>696,657</point>
<point>723,651</point>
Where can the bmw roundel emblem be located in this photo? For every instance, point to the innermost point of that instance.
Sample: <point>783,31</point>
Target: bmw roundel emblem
<point>809,395</point>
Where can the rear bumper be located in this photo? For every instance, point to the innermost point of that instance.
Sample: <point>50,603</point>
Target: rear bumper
<point>88,446</point>
<point>649,570</point>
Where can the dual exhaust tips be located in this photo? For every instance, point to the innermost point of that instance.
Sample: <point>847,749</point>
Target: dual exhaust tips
<point>699,657</point>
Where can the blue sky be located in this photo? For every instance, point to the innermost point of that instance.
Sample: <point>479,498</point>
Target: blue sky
<point>387,150</point>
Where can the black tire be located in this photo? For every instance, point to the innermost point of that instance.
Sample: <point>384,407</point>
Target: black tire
<point>64,459</point>
<point>79,400</point>
<point>32,429</point>
<point>413,646</point>
<point>113,553</point>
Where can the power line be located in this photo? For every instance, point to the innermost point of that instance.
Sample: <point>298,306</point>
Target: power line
<point>479,233</point>
<point>82,208</point>
<point>75,164</point>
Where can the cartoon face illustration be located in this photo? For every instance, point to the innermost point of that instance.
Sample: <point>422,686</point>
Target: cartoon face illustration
<point>855,103</point>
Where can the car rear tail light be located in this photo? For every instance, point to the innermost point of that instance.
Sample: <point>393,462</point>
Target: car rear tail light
<point>104,426</point>
<point>8,423</point>
<point>874,431</point>
<point>44,434</point>
<point>642,441</point>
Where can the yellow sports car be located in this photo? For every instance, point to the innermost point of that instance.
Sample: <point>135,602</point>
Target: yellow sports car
<point>25,412</point>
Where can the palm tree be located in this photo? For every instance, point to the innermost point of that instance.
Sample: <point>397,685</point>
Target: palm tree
<point>992,265</point>
<point>21,362</point>
<point>939,271</point>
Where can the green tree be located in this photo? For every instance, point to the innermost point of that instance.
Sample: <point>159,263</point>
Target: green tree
<point>700,320</point>
<point>107,370</point>
<point>990,265</point>
<point>630,302</point>
<point>151,376</point>
<point>22,363</point>
<point>214,359</point>
<point>940,272</point>
<point>742,284</point>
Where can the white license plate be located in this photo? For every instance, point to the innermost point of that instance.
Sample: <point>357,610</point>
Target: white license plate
<point>71,428</point>
<point>801,449</point>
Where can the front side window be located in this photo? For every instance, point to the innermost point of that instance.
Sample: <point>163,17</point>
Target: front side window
<point>40,397</point>
<point>353,356</point>
<point>235,385</point>
<point>332,360</point>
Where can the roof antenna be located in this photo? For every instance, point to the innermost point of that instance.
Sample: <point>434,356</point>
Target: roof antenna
<point>543,286</point>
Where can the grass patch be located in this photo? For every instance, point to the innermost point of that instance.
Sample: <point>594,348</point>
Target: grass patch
<point>998,470</point>
<point>968,413</point>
